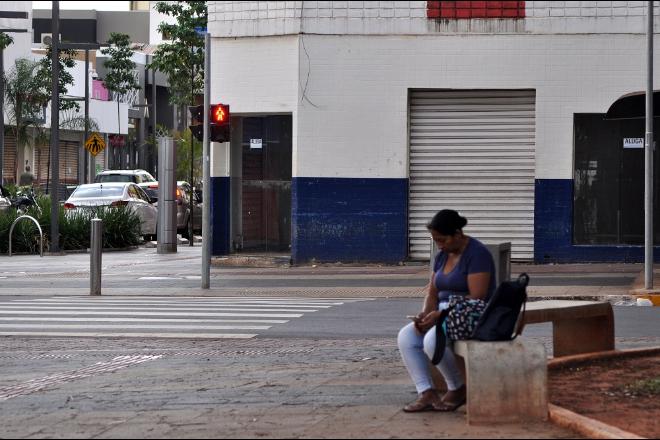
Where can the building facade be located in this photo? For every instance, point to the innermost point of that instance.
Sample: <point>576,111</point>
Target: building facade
<point>354,122</point>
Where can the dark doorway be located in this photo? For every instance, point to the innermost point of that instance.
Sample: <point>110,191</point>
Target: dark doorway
<point>266,153</point>
<point>609,181</point>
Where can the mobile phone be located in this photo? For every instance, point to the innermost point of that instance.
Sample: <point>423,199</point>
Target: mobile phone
<point>413,318</point>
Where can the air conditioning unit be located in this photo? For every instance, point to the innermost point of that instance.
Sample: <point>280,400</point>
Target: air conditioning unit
<point>47,39</point>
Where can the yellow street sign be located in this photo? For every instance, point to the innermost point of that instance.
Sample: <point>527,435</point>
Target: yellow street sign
<point>95,144</point>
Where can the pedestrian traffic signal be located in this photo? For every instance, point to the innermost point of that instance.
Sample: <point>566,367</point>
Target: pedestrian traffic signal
<point>220,123</point>
<point>197,121</point>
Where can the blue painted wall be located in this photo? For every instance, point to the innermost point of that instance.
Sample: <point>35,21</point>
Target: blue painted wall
<point>553,230</point>
<point>349,220</point>
<point>220,215</point>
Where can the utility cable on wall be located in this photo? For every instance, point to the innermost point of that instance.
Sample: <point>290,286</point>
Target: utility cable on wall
<point>309,62</point>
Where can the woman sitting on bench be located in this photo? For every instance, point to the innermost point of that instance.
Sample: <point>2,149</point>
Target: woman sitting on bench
<point>464,266</point>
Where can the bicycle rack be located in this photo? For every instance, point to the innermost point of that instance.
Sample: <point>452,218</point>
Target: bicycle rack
<point>41,234</point>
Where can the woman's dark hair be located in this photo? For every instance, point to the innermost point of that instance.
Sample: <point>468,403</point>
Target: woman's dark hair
<point>447,222</point>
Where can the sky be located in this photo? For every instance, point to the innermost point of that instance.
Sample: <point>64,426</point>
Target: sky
<point>98,5</point>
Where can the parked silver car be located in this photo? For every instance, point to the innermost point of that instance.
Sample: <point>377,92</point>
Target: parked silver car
<point>117,194</point>
<point>182,205</point>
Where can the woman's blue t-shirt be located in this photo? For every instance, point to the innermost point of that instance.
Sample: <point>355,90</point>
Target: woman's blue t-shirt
<point>475,259</point>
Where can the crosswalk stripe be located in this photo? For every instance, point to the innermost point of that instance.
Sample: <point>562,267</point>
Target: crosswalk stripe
<point>181,309</point>
<point>154,317</point>
<point>135,335</point>
<point>210,298</point>
<point>124,326</point>
<point>146,304</point>
<point>170,320</point>
<point>186,301</point>
<point>132,313</point>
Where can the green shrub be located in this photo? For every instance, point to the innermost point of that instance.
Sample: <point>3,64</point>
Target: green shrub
<point>121,228</point>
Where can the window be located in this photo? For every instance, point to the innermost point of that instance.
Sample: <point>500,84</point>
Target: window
<point>97,192</point>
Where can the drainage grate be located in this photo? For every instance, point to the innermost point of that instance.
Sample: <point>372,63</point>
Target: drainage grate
<point>35,385</point>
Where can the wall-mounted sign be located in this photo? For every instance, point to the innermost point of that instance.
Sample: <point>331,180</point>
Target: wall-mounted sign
<point>633,142</point>
<point>255,144</point>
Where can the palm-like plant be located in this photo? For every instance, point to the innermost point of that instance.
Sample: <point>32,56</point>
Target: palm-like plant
<point>24,100</point>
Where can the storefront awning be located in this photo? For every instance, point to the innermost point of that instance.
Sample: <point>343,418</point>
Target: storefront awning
<point>633,106</point>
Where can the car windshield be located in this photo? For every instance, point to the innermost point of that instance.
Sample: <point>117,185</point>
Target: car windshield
<point>97,192</point>
<point>104,178</point>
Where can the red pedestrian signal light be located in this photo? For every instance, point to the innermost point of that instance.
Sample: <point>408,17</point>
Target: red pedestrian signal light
<point>219,114</point>
<point>219,123</point>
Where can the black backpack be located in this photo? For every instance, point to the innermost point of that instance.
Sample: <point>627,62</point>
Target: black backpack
<point>498,321</point>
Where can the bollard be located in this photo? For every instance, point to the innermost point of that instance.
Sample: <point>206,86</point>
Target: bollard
<point>166,196</point>
<point>96,247</point>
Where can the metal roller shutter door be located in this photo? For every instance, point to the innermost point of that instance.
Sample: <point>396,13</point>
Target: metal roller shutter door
<point>9,168</point>
<point>68,163</point>
<point>473,151</point>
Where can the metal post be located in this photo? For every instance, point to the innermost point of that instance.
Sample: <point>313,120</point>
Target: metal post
<point>90,160</point>
<point>166,196</point>
<point>154,107</point>
<point>95,257</point>
<point>54,134</point>
<point>648,158</point>
<point>2,114</point>
<point>206,170</point>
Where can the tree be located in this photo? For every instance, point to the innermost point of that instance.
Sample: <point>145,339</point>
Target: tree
<point>24,98</point>
<point>182,60</point>
<point>5,41</point>
<point>120,79</point>
<point>27,93</point>
<point>44,74</point>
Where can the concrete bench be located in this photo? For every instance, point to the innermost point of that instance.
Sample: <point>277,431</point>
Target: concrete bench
<point>506,381</point>
<point>578,326</point>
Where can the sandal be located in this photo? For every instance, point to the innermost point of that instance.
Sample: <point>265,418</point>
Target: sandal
<point>452,400</point>
<point>425,402</point>
<point>418,406</point>
<point>449,406</point>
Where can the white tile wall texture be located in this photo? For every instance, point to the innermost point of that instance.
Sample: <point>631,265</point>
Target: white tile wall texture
<point>348,94</point>
<point>262,18</point>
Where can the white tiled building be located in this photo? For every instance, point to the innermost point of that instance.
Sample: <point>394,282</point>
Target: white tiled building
<point>389,111</point>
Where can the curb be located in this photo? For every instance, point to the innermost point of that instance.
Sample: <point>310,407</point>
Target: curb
<point>583,425</point>
<point>590,428</point>
<point>651,295</point>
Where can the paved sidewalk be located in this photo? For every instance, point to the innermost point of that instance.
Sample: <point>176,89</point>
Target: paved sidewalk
<point>143,272</point>
<point>237,389</point>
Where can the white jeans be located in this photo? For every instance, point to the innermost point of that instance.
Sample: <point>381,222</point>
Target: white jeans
<point>417,350</point>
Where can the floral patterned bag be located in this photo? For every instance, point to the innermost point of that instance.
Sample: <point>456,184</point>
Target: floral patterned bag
<point>463,316</point>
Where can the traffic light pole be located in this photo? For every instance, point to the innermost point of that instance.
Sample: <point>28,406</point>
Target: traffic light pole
<point>207,231</point>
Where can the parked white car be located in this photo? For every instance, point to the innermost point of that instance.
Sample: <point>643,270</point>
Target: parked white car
<point>134,176</point>
<point>117,194</point>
